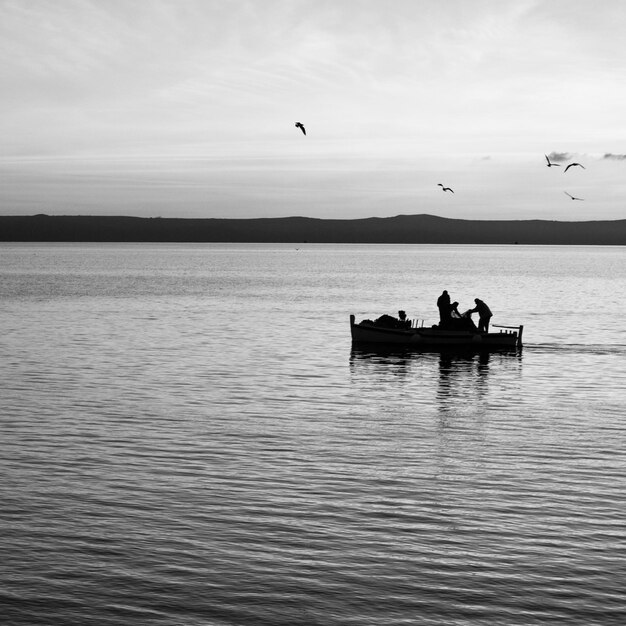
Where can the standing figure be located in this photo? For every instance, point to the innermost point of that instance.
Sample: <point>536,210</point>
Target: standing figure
<point>445,310</point>
<point>484,314</point>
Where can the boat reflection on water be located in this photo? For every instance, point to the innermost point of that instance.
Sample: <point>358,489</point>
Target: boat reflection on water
<point>448,361</point>
<point>451,365</point>
<point>383,362</point>
<point>456,382</point>
<point>462,380</point>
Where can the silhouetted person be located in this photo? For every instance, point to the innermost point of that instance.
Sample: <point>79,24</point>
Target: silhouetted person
<point>445,309</point>
<point>484,314</point>
<point>404,322</point>
<point>455,322</point>
<point>460,321</point>
<point>388,321</point>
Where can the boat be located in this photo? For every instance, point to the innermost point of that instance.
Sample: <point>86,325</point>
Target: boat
<point>409,335</point>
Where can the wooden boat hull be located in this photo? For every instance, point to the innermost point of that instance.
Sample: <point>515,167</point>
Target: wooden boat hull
<point>435,338</point>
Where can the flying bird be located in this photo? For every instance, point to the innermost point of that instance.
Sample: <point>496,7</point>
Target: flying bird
<point>550,164</point>
<point>301,127</point>
<point>571,196</point>
<point>572,165</point>
<point>445,188</point>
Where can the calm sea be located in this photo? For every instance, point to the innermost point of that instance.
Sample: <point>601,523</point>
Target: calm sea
<point>188,438</point>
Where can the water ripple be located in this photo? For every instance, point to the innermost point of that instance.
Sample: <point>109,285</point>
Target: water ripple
<point>178,450</point>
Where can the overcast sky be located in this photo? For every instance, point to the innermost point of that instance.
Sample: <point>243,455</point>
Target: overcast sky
<point>187,108</point>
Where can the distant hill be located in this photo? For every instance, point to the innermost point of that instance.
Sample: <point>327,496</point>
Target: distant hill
<point>399,229</point>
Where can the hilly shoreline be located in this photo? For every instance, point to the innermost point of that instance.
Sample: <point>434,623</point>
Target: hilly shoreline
<point>418,229</point>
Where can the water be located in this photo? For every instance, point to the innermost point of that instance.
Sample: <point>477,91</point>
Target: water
<point>188,438</point>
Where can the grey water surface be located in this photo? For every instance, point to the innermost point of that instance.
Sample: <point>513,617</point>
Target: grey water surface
<point>188,437</point>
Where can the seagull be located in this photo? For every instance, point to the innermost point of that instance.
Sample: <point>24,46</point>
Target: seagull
<point>572,165</point>
<point>551,164</point>
<point>445,188</point>
<point>571,196</point>
<point>301,127</point>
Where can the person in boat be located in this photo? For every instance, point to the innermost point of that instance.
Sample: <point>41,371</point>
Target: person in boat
<point>460,321</point>
<point>445,308</point>
<point>388,321</point>
<point>484,314</point>
<point>404,322</point>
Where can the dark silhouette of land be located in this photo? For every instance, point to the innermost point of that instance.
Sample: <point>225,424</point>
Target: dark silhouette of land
<point>399,229</point>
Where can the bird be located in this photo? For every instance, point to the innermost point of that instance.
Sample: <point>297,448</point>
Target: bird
<point>571,196</point>
<point>550,164</point>
<point>301,127</point>
<point>572,165</point>
<point>445,188</point>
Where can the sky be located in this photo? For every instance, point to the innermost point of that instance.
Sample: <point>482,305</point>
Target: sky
<point>187,108</point>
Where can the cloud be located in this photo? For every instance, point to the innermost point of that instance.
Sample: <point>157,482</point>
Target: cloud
<point>614,157</point>
<point>559,156</point>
